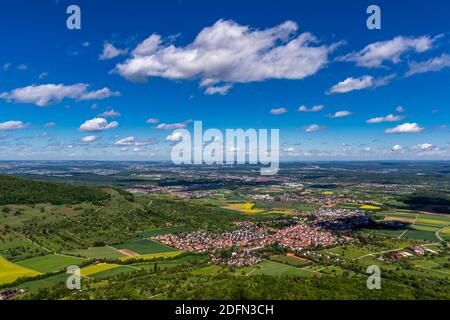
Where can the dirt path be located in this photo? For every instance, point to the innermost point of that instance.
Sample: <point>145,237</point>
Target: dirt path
<point>415,220</point>
<point>437,233</point>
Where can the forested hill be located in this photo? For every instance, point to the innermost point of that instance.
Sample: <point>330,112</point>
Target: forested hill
<point>23,191</point>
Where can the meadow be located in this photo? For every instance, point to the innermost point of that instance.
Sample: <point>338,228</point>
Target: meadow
<point>50,263</point>
<point>144,246</point>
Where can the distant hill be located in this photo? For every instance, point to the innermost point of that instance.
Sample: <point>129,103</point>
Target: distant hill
<point>23,191</point>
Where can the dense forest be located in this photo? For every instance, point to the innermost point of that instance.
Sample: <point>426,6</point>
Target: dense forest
<point>23,191</point>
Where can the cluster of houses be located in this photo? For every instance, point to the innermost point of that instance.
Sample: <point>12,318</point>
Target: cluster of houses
<point>418,250</point>
<point>250,237</point>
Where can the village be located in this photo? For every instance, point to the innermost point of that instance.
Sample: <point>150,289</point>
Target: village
<point>251,238</point>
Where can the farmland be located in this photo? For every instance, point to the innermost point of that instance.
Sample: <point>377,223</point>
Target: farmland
<point>242,236</point>
<point>10,272</point>
<point>50,263</point>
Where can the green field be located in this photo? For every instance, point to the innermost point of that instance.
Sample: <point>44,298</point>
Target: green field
<point>112,272</point>
<point>98,253</point>
<point>35,285</point>
<point>50,263</point>
<point>420,235</point>
<point>290,261</point>
<point>272,268</point>
<point>144,246</point>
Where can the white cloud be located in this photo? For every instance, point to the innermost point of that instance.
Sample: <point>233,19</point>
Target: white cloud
<point>22,67</point>
<point>42,75</point>
<point>110,114</point>
<point>405,128</point>
<point>396,147</point>
<point>400,109</point>
<point>313,128</point>
<point>85,44</point>
<point>6,66</point>
<point>173,126</point>
<point>89,139</point>
<point>128,141</point>
<point>42,95</point>
<point>222,90</point>
<point>341,114</point>
<point>364,82</point>
<point>175,137</point>
<point>132,141</point>
<point>317,108</point>
<point>110,51</point>
<point>373,55</point>
<point>388,118</point>
<point>230,53</point>
<point>431,65</point>
<point>278,111</point>
<point>424,146</point>
<point>49,124</point>
<point>152,120</point>
<point>12,125</point>
<point>98,124</point>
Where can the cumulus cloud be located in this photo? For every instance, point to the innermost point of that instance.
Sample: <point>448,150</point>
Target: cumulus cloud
<point>13,125</point>
<point>152,120</point>
<point>42,95</point>
<point>424,146</point>
<point>431,65</point>
<point>373,55</point>
<point>317,108</point>
<point>227,52</point>
<point>364,82</point>
<point>313,128</point>
<point>110,51</point>
<point>396,147</point>
<point>278,111</point>
<point>341,114</point>
<point>176,137</point>
<point>110,114</point>
<point>388,118</point>
<point>89,139</point>
<point>405,128</point>
<point>97,124</point>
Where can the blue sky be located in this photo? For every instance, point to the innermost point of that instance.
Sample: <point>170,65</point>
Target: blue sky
<point>87,94</point>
